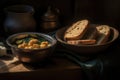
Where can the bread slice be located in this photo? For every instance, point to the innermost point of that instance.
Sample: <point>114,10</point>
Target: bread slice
<point>83,42</point>
<point>103,33</point>
<point>91,33</point>
<point>76,31</point>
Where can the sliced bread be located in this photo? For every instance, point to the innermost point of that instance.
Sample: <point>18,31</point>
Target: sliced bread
<point>91,33</point>
<point>82,42</point>
<point>76,31</point>
<point>103,33</point>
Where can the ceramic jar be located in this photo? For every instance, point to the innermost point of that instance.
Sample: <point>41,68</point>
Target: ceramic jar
<point>19,18</point>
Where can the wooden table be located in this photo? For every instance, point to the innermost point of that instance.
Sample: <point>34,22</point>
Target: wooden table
<point>56,69</point>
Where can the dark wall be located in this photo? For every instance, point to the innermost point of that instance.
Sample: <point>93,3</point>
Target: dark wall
<point>99,11</point>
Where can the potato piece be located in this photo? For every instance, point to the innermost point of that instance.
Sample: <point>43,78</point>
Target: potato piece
<point>33,41</point>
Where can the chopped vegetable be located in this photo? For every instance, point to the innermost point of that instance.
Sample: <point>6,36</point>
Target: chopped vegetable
<point>19,41</point>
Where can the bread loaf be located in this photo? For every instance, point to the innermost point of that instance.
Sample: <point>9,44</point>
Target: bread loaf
<point>76,31</point>
<point>103,33</point>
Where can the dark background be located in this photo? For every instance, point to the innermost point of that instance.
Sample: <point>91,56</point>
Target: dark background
<point>97,11</point>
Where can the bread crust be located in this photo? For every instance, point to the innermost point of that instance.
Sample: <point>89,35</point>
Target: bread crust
<point>76,31</point>
<point>83,42</point>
